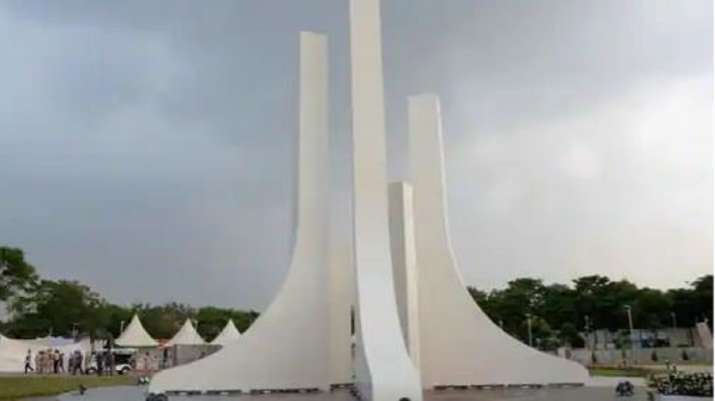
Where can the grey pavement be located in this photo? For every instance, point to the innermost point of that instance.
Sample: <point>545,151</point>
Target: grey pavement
<point>136,393</point>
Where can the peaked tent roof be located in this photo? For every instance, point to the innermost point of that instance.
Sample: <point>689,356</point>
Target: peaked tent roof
<point>229,334</point>
<point>135,336</point>
<point>187,335</point>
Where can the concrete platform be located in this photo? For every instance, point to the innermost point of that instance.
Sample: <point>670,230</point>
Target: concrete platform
<point>136,393</point>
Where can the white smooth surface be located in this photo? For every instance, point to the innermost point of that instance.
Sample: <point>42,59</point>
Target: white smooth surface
<point>228,335</point>
<point>286,347</point>
<point>404,266</point>
<point>135,336</point>
<point>460,345</point>
<point>187,335</point>
<point>342,297</point>
<point>383,368</point>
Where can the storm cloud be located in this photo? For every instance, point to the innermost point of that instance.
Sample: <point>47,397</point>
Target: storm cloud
<point>148,148</point>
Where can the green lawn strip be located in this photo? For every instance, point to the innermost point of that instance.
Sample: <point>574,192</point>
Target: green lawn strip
<point>17,387</point>
<point>624,372</point>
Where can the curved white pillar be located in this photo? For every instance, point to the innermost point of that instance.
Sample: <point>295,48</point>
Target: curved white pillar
<point>384,371</point>
<point>460,345</point>
<point>404,262</point>
<point>286,347</point>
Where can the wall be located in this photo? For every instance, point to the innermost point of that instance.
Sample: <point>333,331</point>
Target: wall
<point>181,354</point>
<point>642,356</point>
<point>677,337</point>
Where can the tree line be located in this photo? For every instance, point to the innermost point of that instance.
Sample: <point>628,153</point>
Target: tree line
<point>39,307</point>
<point>558,312</point>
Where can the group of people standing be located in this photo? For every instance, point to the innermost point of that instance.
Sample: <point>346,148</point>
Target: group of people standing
<point>46,362</point>
<point>53,362</point>
<point>105,362</point>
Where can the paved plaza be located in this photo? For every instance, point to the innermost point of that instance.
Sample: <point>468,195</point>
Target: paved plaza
<point>136,393</point>
<point>565,394</point>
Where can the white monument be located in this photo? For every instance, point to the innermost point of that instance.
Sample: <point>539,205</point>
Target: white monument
<point>415,325</point>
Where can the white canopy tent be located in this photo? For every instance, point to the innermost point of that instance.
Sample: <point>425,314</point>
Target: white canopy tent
<point>135,336</point>
<point>48,341</point>
<point>13,351</point>
<point>228,335</point>
<point>187,335</point>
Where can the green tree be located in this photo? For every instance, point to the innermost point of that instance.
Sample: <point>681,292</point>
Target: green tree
<point>599,298</point>
<point>521,297</point>
<point>693,304</point>
<point>116,316</point>
<point>62,308</point>
<point>16,274</point>
<point>212,320</point>
<point>703,298</point>
<point>569,335</point>
<point>543,336</point>
<point>604,300</point>
<point>652,310</point>
<point>559,306</point>
<point>163,321</point>
<point>480,297</point>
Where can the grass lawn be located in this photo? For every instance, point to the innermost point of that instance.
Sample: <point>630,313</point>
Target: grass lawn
<point>623,372</point>
<point>17,387</point>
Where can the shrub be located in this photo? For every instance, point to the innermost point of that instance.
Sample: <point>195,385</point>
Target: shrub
<point>690,384</point>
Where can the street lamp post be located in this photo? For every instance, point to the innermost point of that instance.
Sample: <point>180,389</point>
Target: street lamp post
<point>121,327</point>
<point>630,321</point>
<point>588,331</point>
<point>675,320</point>
<point>630,330</point>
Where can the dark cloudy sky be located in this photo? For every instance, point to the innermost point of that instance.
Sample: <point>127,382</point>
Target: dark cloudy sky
<point>147,147</point>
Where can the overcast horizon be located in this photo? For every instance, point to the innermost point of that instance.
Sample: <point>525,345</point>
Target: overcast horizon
<point>147,149</point>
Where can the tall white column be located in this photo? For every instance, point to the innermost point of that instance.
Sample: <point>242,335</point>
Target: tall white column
<point>460,345</point>
<point>286,348</point>
<point>384,371</point>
